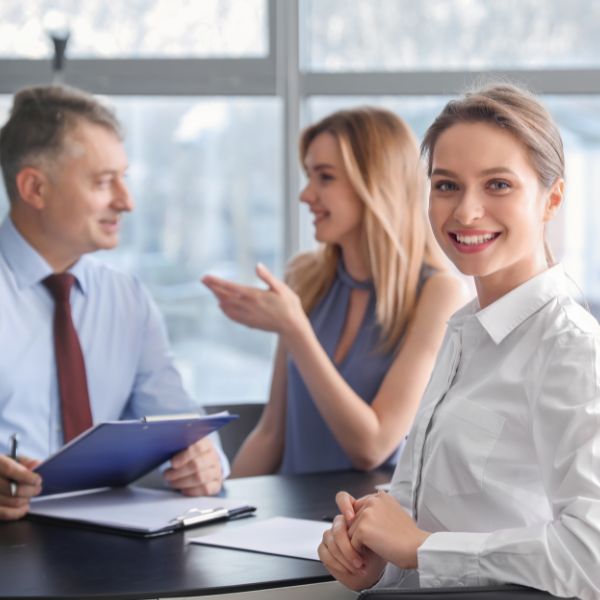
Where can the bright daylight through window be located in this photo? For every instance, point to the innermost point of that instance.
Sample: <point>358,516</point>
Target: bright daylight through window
<point>213,94</point>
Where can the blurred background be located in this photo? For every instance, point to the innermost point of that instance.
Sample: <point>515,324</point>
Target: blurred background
<point>213,95</point>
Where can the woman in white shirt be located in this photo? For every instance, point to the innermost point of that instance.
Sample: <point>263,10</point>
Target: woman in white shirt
<point>500,478</point>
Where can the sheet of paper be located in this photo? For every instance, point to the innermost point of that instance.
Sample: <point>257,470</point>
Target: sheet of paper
<point>298,538</point>
<point>384,487</point>
<point>133,508</point>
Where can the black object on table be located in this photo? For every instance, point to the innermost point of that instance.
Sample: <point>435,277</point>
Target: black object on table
<point>51,561</point>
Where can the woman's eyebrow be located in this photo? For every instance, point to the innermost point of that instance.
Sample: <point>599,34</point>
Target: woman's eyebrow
<point>444,172</point>
<point>492,171</point>
<point>497,170</point>
<point>322,166</point>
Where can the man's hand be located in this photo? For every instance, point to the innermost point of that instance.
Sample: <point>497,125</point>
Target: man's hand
<point>196,471</point>
<point>28,484</point>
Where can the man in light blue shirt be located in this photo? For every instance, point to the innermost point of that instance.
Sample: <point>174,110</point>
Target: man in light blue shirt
<point>64,166</point>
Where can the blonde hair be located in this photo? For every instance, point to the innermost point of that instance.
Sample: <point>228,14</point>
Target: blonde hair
<point>515,110</point>
<point>381,157</point>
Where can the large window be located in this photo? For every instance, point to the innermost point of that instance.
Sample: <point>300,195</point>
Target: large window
<point>213,95</point>
<point>205,175</point>
<point>391,35</point>
<point>136,28</point>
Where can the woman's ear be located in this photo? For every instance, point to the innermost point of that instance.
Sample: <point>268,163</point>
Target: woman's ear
<point>554,198</point>
<point>31,184</point>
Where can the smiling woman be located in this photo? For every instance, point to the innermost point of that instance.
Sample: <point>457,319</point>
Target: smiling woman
<point>359,320</point>
<point>487,218</point>
<point>490,203</point>
<point>499,478</point>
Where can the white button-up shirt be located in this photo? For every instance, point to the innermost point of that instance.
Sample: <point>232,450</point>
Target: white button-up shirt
<point>503,462</point>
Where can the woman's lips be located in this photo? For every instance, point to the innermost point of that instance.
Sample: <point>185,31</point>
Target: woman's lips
<point>473,241</point>
<point>319,216</point>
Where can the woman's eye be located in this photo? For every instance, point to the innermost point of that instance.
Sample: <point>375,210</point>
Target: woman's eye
<point>445,186</point>
<point>325,177</point>
<point>499,185</point>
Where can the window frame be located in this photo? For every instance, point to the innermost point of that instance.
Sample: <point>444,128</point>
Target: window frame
<point>280,73</point>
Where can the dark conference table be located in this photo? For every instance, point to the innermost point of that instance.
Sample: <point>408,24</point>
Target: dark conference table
<point>43,560</point>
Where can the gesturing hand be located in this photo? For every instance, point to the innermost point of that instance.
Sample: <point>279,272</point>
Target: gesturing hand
<point>277,308</point>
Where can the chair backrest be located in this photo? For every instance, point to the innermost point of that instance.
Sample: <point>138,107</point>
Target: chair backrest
<point>234,433</point>
<point>495,592</point>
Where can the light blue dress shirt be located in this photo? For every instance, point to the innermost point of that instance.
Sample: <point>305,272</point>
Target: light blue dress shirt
<point>129,366</point>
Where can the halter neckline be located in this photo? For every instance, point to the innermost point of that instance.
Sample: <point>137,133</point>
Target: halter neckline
<point>349,281</point>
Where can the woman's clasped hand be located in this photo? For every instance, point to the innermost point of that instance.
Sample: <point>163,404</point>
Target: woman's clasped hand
<point>368,533</point>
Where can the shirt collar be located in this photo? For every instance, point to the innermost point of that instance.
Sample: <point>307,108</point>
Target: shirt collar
<point>27,265</point>
<point>508,312</point>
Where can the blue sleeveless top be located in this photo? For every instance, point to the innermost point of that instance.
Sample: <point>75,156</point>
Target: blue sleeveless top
<point>309,444</point>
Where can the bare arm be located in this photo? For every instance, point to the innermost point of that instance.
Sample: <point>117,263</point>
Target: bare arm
<point>369,433</point>
<point>262,450</point>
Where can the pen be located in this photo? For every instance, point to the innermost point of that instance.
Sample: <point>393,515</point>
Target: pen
<point>14,441</point>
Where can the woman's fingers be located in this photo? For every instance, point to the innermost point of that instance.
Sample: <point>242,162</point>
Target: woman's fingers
<point>223,287</point>
<point>345,503</point>
<point>339,547</point>
<point>273,282</point>
<point>351,558</point>
<point>330,561</point>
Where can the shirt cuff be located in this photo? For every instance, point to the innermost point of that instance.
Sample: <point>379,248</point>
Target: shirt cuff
<point>448,559</point>
<point>394,577</point>
<point>216,440</point>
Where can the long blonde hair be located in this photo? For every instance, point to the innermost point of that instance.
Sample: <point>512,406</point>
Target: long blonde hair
<point>381,157</point>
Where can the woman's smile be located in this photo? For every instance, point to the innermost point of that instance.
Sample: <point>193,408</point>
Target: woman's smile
<point>469,241</point>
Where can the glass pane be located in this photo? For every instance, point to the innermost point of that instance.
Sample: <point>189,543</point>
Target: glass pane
<point>576,234</point>
<point>136,28</point>
<point>5,104</point>
<point>573,235</point>
<point>383,35</point>
<point>205,175</point>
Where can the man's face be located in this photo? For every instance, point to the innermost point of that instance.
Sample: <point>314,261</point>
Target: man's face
<point>85,192</point>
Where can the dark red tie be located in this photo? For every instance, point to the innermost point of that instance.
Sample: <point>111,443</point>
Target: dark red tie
<point>70,367</point>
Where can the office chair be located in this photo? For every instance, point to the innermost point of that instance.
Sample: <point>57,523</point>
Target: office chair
<point>494,592</point>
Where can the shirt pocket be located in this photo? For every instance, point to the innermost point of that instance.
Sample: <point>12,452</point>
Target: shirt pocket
<point>461,443</point>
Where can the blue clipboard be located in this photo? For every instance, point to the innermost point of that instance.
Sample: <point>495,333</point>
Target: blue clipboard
<point>116,453</point>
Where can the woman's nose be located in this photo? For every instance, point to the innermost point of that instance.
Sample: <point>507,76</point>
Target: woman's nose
<point>307,194</point>
<point>469,209</point>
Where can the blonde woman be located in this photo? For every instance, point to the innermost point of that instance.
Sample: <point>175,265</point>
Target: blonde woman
<point>361,319</point>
